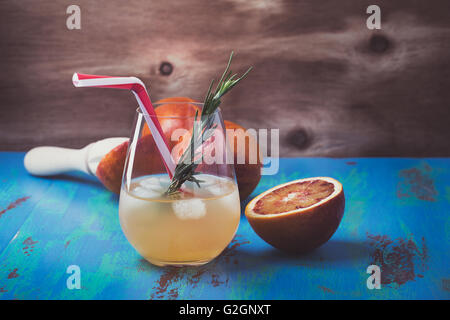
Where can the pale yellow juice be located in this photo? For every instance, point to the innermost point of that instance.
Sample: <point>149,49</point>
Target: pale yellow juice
<point>192,229</point>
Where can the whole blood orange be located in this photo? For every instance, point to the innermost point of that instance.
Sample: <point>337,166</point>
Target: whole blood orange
<point>147,161</point>
<point>247,174</point>
<point>298,216</point>
<point>174,113</point>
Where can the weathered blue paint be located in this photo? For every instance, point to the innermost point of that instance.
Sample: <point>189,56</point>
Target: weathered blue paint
<point>73,220</point>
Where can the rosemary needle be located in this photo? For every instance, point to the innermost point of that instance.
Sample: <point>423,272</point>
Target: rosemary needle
<point>185,169</point>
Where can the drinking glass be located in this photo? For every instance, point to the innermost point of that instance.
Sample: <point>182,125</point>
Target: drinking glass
<point>195,224</point>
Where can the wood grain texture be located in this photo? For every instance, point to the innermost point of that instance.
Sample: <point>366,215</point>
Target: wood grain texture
<point>332,87</point>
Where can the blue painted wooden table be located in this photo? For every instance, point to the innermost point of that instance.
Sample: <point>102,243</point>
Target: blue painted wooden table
<point>396,216</point>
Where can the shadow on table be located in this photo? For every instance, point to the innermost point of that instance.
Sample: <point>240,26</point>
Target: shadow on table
<point>244,258</point>
<point>333,252</point>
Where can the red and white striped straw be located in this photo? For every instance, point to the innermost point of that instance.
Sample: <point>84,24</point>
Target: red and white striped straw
<point>140,92</point>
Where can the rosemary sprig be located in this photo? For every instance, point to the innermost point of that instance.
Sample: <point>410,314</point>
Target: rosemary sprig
<point>185,169</point>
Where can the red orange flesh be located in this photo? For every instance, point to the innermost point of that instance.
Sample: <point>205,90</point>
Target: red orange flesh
<point>298,216</point>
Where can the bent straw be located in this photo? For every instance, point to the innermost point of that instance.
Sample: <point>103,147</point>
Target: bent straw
<point>138,88</point>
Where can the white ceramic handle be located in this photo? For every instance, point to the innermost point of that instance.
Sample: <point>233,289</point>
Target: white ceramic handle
<point>45,161</point>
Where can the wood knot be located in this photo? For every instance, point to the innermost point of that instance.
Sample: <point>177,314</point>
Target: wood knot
<point>379,43</point>
<point>299,138</point>
<point>166,68</point>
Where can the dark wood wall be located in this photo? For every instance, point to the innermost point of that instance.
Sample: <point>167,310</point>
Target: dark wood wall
<point>332,87</point>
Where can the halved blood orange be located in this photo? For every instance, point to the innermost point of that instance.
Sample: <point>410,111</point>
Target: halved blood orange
<point>298,216</point>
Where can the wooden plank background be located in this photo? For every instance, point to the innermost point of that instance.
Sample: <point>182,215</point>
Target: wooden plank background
<point>332,87</point>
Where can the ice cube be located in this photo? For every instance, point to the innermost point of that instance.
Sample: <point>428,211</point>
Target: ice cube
<point>151,183</point>
<point>204,180</point>
<point>142,192</point>
<point>216,189</point>
<point>164,182</point>
<point>208,180</point>
<point>189,209</point>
